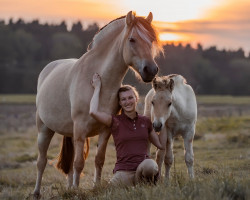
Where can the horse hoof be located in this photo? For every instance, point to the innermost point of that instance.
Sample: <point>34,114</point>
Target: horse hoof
<point>36,195</point>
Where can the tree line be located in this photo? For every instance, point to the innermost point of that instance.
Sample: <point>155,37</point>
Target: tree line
<point>26,47</point>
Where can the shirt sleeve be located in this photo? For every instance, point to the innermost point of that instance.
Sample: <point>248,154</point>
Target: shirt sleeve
<point>114,124</point>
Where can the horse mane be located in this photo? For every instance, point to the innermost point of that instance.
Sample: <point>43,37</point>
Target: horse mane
<point>144,29</point>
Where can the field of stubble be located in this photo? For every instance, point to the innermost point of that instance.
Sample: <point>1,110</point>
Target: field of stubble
<point>221,148</point>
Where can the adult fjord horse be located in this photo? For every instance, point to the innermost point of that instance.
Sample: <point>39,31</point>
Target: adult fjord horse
<point>64,92</point>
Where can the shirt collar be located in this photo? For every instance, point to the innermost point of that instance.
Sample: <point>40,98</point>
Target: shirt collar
<point>126,117</point>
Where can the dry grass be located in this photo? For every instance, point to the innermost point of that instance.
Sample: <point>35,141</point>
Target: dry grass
<point>222,163</point>
<point>221,166</point>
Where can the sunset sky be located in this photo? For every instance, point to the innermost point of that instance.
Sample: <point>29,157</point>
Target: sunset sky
<point>224,23</point>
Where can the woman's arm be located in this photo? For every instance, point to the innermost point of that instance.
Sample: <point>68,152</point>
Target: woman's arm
<point>158,140</point>
<point>94,103</point>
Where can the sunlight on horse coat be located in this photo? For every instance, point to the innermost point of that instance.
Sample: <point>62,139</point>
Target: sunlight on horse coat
<point>64,91</point>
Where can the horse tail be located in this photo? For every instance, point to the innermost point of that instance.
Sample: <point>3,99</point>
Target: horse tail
<point>86,150</point>
<point>65,158</point>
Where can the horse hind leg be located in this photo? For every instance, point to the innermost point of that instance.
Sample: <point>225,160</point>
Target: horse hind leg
<point>169,157</point>
<point>70,156</point>
<point>189,156</point>
<point>43,140</point>
<point>65,159</point>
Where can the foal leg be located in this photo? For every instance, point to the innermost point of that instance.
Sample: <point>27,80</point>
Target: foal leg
<point>169,157</point>
<point>100,155</point>
<point>44,137</point>
<point>159,159</point>
<point>189,155</point>
<point>160,154</point>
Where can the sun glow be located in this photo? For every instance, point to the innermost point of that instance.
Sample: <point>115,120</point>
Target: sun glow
<point>169,10</point>
<point>170,37</point>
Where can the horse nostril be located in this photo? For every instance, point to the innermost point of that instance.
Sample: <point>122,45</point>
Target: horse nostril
<point>160,125</point>
<point>145,69</point>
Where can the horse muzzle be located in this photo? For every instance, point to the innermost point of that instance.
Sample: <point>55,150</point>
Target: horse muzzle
<point>157,126</point>
<point>149,71</point>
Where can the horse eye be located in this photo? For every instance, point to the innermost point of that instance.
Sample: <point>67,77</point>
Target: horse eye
<point>132,40</point>
<point>169,104</point>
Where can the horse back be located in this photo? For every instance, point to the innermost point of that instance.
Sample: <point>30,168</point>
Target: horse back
<point>184,99</point>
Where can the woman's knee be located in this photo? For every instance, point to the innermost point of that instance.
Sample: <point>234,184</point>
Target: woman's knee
<point>149,167</point>
<point>147,171</point>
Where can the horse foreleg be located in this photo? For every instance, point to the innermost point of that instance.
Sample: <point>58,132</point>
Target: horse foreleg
<point>70,175</point>
<point>159,159</point>
<point>79,140</point>
<point>100,155</point>
<point>189,155</point>
<point>44,137</point>
<point>161,153</point>
<point>169,157</point>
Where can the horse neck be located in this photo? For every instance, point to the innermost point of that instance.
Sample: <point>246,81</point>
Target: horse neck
<point>111,65</point>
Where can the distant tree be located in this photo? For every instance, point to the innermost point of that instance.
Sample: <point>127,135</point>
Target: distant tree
<point>25,48</point>
<point>65,45</point>
<point>239,76</point>
<point>77,28</point>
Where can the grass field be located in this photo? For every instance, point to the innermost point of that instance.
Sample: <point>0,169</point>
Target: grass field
<point>203,99</point>
<point>222,163</point>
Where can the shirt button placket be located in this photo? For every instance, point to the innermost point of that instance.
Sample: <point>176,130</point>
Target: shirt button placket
<point>134,125</point>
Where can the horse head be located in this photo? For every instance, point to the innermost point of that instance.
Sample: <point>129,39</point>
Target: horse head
<point>161,101</point>
<point>141,45</point>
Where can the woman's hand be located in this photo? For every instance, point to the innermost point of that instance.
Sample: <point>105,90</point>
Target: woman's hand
<point>96,81</point>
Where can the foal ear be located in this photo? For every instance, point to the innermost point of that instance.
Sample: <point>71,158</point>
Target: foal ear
<point>171,85</point>
<point>149,17</point>
<point>130,18</point>
<point>154,84</point>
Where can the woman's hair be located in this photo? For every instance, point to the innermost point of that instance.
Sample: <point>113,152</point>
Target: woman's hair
<point>125,88</point>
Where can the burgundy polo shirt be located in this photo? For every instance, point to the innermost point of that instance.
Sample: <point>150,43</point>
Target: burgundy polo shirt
<point>131,140</point>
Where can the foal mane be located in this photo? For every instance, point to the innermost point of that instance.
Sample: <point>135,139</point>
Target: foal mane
<point>161,82</point>
<point>144,29</point>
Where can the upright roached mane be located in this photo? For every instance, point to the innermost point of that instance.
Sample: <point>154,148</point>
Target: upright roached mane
<point>64,92</point>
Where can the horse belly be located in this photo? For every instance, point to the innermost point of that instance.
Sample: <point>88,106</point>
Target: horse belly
<point>53,104</point>
<point>56,116</point>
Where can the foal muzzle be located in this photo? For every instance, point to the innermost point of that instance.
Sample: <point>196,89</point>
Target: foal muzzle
<point>157,126</point>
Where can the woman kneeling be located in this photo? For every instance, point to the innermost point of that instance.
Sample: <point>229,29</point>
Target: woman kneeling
<point>131,133</point>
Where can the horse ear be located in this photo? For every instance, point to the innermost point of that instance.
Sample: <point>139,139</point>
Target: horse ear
<point>171,85</point>
<point>154,84</point>
<point>149,17</point>
<point>130,18</point>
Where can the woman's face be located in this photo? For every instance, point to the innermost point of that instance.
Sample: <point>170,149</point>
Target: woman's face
<point>128,101</point>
